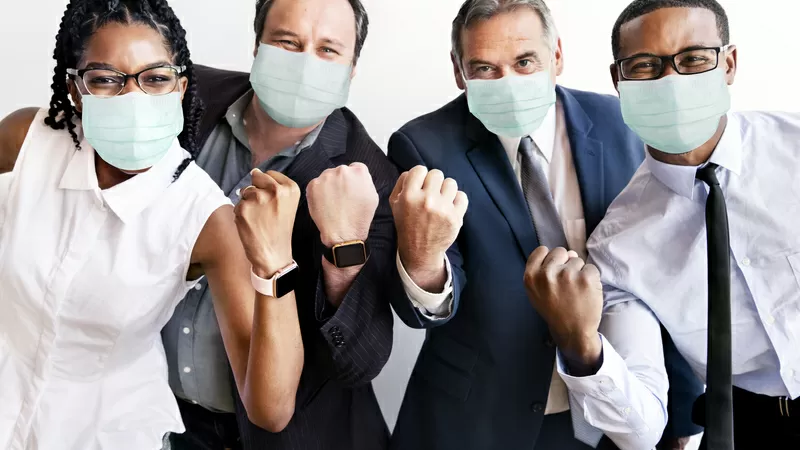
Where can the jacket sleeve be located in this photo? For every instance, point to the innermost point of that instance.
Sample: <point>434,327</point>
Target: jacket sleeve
<point>404,154</point>
<point>359,332</point>
<point>684,389</point>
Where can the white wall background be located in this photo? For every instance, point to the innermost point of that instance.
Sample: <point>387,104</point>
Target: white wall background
<point>405,71</point>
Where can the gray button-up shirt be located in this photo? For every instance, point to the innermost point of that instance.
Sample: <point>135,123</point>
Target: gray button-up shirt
<point>199,371</point>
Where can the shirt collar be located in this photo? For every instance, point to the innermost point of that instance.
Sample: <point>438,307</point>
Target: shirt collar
<point>544,137</point>
<point>681,179</point>
<point>235,118</point>
<point>131,197</point>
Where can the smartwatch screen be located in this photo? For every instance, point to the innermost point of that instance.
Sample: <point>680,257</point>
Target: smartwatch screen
<point>287,283</point>
<point>350,255</point>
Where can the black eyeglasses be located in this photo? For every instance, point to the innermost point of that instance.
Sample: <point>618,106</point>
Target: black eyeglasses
<point>109,82</point>
<point>688,62</point>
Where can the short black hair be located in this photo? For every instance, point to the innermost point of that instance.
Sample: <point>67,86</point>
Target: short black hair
<point>641,7</point>
<point>362,22</point>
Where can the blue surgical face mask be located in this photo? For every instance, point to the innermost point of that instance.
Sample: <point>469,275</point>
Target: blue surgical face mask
<point>678,113</point>
<point>134,131</point>
<point>513,106</point>
<point>296,89</point>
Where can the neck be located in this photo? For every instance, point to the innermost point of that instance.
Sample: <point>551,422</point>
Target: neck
<point>109,176</point>
<point>267,137</point>
<point>695,157</point>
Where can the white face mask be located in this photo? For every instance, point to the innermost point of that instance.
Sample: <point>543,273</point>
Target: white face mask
<point>132,132</point>
<point>678,113</point>
<point>512,106</point>
<point>298,90</point>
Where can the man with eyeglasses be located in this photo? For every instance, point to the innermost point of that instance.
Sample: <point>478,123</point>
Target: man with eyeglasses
<point>704,239</point>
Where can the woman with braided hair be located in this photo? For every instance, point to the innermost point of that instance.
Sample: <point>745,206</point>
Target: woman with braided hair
<point>106,223</point>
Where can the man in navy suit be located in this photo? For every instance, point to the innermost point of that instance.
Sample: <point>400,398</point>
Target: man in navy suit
<point>529,164</point>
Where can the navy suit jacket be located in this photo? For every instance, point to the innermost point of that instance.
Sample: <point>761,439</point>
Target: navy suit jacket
<point>483,375</point>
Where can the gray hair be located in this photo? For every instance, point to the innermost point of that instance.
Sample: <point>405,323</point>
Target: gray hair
<point>362,22</point>
<point>476,10</point>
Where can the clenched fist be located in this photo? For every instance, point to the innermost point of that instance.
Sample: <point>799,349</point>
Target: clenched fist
<point>568,294</point>
<point>428,212</point>
<point>342,203</point>
<point>265,219</point>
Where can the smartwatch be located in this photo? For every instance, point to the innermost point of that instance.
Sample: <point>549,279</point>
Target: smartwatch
<point>347,254</point>
<point>282,283</point>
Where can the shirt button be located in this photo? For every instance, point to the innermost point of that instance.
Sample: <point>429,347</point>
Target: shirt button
<point>187,369</point>
<point>770,320</point>
<point>626,411</point>
<point>746,262</point>
<point>537,407</point>
<point>238,192</point>
<point>198,287</point>
<point>194,402</point>
<point>788,373</point>
<point>187,330</point>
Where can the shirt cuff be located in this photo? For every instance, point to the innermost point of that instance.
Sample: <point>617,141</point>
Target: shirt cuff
<point>431,306</point>
<point>612,368</point>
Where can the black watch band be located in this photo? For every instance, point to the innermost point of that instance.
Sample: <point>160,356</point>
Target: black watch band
<point>347,254</point>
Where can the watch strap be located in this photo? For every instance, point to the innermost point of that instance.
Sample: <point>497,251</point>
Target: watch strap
<point>268,287</point>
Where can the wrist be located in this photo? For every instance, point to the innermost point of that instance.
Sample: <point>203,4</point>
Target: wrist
<point>429,273</point>
<point>583,351</point>
<point>331,239</point>
<point>269,265</point>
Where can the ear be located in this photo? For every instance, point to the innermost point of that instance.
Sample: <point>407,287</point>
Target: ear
<point>457,72</point>
<point>559,59</point>
<point>184,82</point>
<point>353,72</point>
<point>75,94</point>
<point>615,75</point>
<point>731,56</point>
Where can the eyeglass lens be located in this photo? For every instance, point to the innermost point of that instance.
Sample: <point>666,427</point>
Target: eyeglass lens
<point>687,63</point>
<point>108,83</point>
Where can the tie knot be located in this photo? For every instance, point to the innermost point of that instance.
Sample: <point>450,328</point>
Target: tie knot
<point>708,174</point>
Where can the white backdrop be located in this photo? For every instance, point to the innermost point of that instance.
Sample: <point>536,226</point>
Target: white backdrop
<point>405,71</point>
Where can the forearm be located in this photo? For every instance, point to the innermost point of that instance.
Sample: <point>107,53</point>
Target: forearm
<point>338,281</point>
<point>275,362</point>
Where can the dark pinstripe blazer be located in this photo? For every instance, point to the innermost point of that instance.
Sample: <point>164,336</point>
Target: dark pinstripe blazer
<point>336,408</point>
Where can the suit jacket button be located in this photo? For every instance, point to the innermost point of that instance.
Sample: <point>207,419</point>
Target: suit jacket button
<point>537,407</point>
<point>334,330</point>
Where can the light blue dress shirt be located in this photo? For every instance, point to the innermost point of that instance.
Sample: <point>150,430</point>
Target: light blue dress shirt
<point>651,251</point>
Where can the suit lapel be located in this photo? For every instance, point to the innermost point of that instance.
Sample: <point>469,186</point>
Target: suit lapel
<point>330,144</point>
<point>491,163</point>
<point>587,153</point>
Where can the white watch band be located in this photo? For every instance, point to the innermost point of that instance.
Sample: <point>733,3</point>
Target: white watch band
<point>268,287</point>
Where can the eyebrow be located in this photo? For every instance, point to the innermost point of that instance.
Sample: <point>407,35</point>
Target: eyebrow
<point>685,49</point>
<point>282,32</point>
<point>105,66</point>
<point>530,54</point>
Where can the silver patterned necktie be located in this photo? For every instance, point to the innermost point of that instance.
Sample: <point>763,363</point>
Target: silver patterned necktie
<point>551,234</point>
<point>541,206</point>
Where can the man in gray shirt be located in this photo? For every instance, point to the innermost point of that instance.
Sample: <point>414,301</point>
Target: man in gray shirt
<point>343,238</point>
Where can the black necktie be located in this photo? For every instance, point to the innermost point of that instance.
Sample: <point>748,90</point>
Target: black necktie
<point>719,398</point>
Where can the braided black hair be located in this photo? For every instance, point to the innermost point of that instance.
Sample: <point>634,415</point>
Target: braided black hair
<point>83,18</point>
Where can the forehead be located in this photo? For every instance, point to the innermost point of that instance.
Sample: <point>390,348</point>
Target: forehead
<point>512,31</point>
<point>126,47</point>
<point>669,30</point>
<point>322,18</point>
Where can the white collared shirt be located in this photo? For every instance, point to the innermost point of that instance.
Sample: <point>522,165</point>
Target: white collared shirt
<point>88,278</point>
<point>555,155</point>
<point>651,251</point>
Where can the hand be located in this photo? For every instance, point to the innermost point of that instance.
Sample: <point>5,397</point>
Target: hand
<point>673,443</point>
<point>265,219</point>
<point>568,294</point>
<point>342,202</point>
<point>428,212</point>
